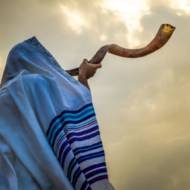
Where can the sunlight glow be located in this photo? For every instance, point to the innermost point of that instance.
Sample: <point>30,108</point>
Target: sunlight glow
<point>181,6</point>
<point>103,37</point>
<point>74,18</point>
<point>130,13</point>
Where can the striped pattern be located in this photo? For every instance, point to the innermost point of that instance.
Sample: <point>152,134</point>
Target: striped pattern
<point>75,138</point>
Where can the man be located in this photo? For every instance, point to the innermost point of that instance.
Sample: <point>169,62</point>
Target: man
<point>49,135</point>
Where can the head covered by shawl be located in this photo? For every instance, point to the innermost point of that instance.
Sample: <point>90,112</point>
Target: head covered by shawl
<point>48,121</point>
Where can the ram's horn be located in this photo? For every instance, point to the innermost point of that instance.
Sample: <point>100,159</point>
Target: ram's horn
<point>163,35</point>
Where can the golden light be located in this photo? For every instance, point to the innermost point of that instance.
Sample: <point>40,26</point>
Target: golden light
<point>181,6</point>
<point>130,12</point>
<point>167,28</point>
<point>74,18</point>
<point>103,37</point>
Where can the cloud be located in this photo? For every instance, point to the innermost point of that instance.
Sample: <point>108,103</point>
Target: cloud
<point>130,13</point>
<point>180,6</point>
<point>142,105</point>
<point>75,19</point>
<point>152,142</point>
<point>146,103</point>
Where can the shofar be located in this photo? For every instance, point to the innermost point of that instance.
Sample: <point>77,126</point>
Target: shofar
<point>163,35</point>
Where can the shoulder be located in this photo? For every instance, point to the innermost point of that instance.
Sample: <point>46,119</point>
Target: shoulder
<point>29,81</point>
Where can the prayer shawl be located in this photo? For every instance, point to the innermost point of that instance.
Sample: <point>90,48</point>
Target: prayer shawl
<point>49,134</point>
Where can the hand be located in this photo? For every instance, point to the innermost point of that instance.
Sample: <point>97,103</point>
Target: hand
<point>87,69</point>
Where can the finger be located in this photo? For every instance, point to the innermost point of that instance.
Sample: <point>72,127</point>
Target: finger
<point>84,60</point>
<point>97,65</point>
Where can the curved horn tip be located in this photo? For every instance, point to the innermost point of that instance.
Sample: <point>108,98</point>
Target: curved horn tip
<point>168,28</point>
<point>169,25</point>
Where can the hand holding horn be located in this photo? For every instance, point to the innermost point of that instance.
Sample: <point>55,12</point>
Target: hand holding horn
<point>163,35</point>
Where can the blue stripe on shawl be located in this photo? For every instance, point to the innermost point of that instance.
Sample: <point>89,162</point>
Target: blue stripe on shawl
<point>76,176</point>
<point>93,180</point>
<point>90,156</point>
<point>65,122</point>
<point>61,151</point>
<point>71,166</point>
<point>89,168</point>
<point>80,133</point>
<point>96,172</point>
<point>77,126</point>
<point>63,117</point>
<point>85,186</point>
<point>75,139</point>
<point>87,148</point>
<point>66,111</point>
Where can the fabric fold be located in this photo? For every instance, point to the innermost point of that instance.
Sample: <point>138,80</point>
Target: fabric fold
<point>49,122</point>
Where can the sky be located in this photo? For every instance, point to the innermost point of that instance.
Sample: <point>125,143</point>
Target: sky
<point>143,104</point>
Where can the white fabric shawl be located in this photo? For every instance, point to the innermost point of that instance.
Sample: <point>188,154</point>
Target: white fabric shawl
<point>49,135</point>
